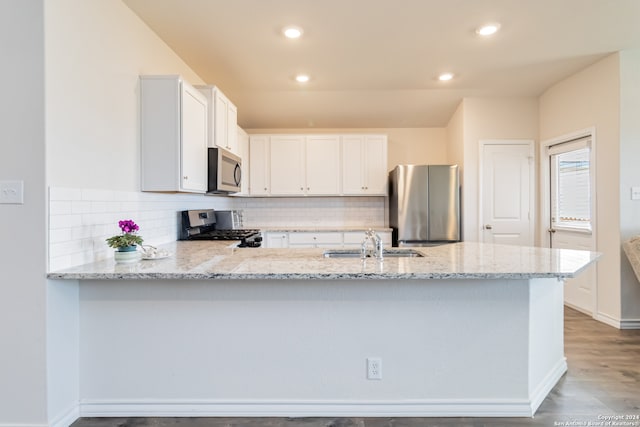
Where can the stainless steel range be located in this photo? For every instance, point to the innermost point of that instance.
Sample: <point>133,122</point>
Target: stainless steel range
<point>207,224</point>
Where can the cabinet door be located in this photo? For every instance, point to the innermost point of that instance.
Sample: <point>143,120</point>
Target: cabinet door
<point>194,140</point>
<point>323,165</point>
<point>221,119</point>
<point>276,240</point>
<point>352,165</point>
<point>375,165</point>
<point>259,165</point>
<point>232,123</point>
<point>243,152</point>
<point>287,165</point>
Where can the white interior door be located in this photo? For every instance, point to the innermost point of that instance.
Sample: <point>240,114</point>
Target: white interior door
<point>571,203</point>
<point>507,192</point>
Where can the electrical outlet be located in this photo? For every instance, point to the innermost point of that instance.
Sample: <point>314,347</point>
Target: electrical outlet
<point>11,192</point>
<point>374,368</point>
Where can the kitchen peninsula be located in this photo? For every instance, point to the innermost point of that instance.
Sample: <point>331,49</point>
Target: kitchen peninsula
<point>469,329</point>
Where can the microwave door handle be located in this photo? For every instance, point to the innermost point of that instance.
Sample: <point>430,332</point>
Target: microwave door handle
<point>237,174</point>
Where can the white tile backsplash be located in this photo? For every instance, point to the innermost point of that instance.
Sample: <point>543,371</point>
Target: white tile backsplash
<point>81,219</point>
<point>312,211</point>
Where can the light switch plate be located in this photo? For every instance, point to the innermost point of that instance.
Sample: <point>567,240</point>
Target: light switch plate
<point>635,193</point>
<point>12,192</point>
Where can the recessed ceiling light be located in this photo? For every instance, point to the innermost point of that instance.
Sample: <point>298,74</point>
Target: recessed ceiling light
<point>302,78</point>
<point>488,30</point>
<point>292,32</point>
<point>445,77</point>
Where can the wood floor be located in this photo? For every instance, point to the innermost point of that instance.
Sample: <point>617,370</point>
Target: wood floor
<point>603,380</point>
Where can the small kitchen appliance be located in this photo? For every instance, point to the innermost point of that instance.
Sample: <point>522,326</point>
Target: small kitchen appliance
<point>225,172</point>
<point>202,225</point>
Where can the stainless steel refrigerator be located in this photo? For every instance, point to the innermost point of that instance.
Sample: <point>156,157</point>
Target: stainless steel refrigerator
<point>424,204</point>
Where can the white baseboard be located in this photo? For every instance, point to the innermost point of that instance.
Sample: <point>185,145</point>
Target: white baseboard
<point>267,408</point>
<point>67,417</point>
<point>630,324</point>
<point>22,425</point>
<point>618,323</point>
<point>607,320</point>
<point>547,384</point>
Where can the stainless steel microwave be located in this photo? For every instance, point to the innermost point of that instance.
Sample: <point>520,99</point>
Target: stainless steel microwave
<point>225,172</point>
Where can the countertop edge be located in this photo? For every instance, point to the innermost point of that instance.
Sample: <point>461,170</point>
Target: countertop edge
<point>297,276</point>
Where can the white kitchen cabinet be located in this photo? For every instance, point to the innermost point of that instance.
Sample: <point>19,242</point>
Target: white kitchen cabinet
<point>276,239</point>
<point>319,239</point>
<point>322,239</point>
<point>222,119</point>
<point>318,165</point>
<point>232,124</point>
<point>364,165</point>
<point>243,152</point>
<point>354,239</point>
<point>173,133</point>
<point>259,165</point>
<point>322,165</point>
<point>287,165</point>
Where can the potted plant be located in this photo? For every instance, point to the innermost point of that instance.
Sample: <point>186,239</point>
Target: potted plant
<point>128,240</point>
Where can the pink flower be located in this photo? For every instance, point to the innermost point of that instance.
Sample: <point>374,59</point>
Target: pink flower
<point>128,226</point>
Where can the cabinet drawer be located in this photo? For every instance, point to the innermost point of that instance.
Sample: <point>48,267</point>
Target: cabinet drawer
<point>305,238</point>
<point>276,240</point>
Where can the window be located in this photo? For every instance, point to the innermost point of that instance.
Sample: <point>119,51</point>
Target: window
<point>571,186</point>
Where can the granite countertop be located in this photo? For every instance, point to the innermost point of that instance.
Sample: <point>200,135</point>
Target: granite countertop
<point>632,250</point>
<point>217,260</point>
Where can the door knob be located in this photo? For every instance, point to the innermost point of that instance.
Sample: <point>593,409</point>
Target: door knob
<point>551,230</point>
<point>488,227</point>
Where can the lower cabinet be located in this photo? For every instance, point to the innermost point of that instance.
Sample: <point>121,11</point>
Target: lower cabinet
<point>275,240</point>
<point>315,240</point>
<point>320,239</point>
<point>353,239</point>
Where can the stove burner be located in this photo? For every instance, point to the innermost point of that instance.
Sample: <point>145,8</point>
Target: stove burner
<point>224,235</point>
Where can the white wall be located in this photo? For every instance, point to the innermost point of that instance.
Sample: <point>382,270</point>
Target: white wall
<point>490,118</point>
<point>589,98</point>
<point>629,174</point>
<point>455,151</point>
<point>455,136</point>
<point>23,397</point>
<point>95,51</point>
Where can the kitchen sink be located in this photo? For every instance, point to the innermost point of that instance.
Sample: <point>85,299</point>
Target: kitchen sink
<point>387,253</point>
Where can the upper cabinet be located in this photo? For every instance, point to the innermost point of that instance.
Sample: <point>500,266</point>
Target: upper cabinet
<point>314,165</point>
<point>364,165</point>
<point>243,152</point>
<point>223,120</point>
<point>259,166</point>
<point>287,165</point>
<point>305,165</point>
<point>322,159</point>
<point>173,126</point>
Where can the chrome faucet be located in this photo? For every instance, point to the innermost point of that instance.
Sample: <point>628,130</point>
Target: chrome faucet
<point>373,237</point>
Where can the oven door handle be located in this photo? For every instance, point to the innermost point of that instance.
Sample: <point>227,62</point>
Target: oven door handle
<point>237,174</point>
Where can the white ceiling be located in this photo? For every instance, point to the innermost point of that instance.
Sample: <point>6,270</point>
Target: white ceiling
<point>374,63</point>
